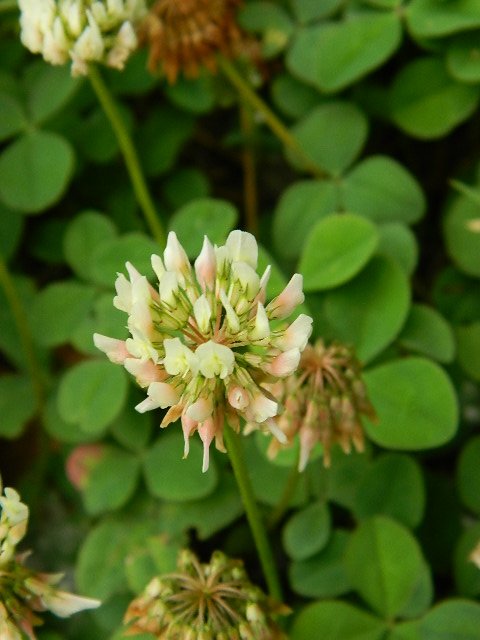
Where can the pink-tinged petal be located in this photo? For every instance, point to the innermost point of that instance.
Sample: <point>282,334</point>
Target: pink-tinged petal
<point>200,410</point>
<point>238,397</point>
<point>160,394</point>
<point>242,247</point>
<point>189,427</point>
<point>276,431</point>
<point>284,364</point>
<point>172,415</point>
<point>283,305</point>
<point>115,350</point>
<point>297,334</point>
<point>206,431</point>
<point>308,439</point>
<point>145,371</point>
<point>261,408</point>
<point>174,255</point>
<point>206,265</point>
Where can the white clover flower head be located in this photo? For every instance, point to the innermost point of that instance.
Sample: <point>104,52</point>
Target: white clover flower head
<point>81,31</point>
<point>204,343</point>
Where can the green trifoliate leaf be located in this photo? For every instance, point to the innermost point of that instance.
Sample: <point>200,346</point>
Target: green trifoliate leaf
<point>337,248</point>
<point>35,171</point>
<point>384,563</point>
<point>427,103</point>
<point>415,402</point>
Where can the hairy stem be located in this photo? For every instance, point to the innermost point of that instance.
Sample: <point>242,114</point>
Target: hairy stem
<point>235,452</point>
<point>251,98</point>
<point>130,156</point>
<point>21,321</point>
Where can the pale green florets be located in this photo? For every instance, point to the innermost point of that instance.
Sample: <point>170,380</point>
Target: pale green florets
<point>23,592</point>
<point>81,31</point>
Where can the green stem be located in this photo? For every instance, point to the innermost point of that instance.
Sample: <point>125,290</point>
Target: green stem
<point>249,170</point>
<point>235,451</point>
<point>129,154</point>
<point>271,119</point>
<point>287,495</point>
<point>21,321</point>
<point>8,5</point>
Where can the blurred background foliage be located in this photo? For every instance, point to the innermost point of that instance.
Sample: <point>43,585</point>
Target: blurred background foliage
<point>381,97</point>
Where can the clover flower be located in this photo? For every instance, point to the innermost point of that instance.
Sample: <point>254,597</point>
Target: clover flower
<point>23,592</point>
<point>203,343</point>
<point>82,31</point>
<point>214,601</point>
<point>323,403</point>
<point>184,35</point>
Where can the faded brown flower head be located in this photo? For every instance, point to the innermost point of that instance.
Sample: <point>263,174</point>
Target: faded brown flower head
<point>214,601</point>
<point>184,35</point>
<point>323,402</point>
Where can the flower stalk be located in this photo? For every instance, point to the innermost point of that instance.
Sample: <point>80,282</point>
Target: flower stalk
<point>264,550</point>
<point>251,98</point>
<point>129,153</point>
<point>21,321</point>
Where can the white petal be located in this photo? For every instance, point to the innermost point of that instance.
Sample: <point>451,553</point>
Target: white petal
<point>297,334</point>
<point>232,318</point>
<point>179,359</point>
<point>115,350</point>
<point>262,326</point>
<point>174,255</point>
<point>202,313</point>
<point>206,265</point>
<point>158,266</point>
<point>215,360</point>
<point>242,247</point>
<point>283,305</point>
<point>169,288</point>
<point>200,410</point>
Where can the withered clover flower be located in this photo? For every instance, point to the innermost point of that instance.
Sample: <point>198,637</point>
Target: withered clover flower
<point>23,592</point>
<point>184,35</point>
<point>323,402</point>
<point>214,601</point>
<point>81,31</point>
<point>204,343</point>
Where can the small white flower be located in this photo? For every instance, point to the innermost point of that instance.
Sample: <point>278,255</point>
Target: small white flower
<point>179,359</point>
<point>243,247</point>
<point>160,395</point>
<point>215,360</point>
